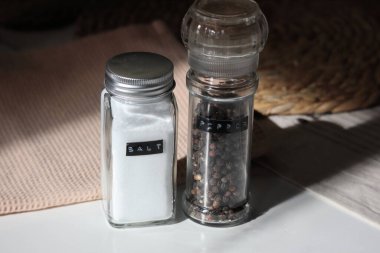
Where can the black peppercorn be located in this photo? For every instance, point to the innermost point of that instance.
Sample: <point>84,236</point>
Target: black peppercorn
<point>218,169</point>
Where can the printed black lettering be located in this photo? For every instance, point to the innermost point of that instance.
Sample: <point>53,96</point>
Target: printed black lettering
<point>145,148</point>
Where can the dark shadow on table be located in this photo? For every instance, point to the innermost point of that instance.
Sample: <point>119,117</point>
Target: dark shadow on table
<point>307,154</point>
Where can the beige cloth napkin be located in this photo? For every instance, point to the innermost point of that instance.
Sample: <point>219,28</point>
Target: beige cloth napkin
<point>49,109</point>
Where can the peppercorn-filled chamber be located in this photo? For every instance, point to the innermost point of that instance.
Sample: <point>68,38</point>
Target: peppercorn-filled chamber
<point>223,38</point>
<point>138,140</point>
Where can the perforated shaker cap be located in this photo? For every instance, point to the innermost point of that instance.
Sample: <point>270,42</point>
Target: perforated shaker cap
<point>224,37</point>
<point>139,74</point>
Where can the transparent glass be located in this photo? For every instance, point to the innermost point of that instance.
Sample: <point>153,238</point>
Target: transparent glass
<point>138,188</point>
<point>225,28</point>
<point>224,39</point>
<point>219,144</point>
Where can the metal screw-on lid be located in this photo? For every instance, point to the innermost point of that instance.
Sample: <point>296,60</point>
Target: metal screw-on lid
<point>139,74</point>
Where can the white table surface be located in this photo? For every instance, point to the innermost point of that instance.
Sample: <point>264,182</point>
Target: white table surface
<point>288,220</point>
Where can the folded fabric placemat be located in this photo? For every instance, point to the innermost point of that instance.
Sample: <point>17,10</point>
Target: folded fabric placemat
<point>49,109</point>
<point>336,156</point>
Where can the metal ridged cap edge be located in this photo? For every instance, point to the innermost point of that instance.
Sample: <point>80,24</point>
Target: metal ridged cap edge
<point>144,75</point>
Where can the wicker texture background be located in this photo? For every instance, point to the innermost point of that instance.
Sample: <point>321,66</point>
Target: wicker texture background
<point>320,58</point>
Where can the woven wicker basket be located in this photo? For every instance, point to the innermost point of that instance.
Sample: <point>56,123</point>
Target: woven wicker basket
<point>322,56</point>
<point>320,61</point>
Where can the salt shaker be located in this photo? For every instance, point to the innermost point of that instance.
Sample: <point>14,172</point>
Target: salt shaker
<point>138,140</point>
<point>223,38</point>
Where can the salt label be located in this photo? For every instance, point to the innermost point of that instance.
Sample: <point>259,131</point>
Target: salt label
<point>145,148</point>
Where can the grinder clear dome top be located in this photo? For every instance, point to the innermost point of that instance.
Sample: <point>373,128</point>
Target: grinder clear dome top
<point>224,37</point>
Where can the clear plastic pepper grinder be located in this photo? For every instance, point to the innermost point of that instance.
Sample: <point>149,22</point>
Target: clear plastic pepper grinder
<point>223,38</point>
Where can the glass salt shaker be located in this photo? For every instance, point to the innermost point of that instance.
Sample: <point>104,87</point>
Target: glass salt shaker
<point>138,140</point>
<point>223,38</point>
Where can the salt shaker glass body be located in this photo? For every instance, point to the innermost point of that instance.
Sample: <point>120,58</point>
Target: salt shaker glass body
<point>138,140</point>
<point>223,38</point>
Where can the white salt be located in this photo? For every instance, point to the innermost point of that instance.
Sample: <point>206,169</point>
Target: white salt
<point>142,186</point>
